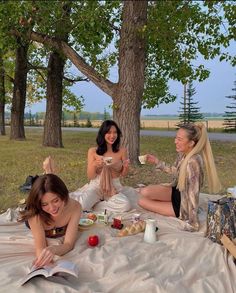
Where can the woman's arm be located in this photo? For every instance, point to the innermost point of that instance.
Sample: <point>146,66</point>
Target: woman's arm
<point>47,254</point>
<point>190,196</point>
<point>163,166</point>
<point>71,232</point>
<point>38,232</point>
<point>94,162</point>
<point>125,160</point>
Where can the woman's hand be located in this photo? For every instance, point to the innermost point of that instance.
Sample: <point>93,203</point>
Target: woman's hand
<point>126,163</point>
<point>151,159</point>
<point>99,162</point>
<point>45,257</point>
<point>125,168</point>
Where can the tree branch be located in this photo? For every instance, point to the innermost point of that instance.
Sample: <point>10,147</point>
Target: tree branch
<point>104,84</point>
<point>75,79</point>
<point>10,78</point>
<point>36,68</point>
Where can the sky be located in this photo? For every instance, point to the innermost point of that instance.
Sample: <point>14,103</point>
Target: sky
<point>210,94</point>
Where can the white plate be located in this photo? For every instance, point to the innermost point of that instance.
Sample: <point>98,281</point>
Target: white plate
<point>86,222</point>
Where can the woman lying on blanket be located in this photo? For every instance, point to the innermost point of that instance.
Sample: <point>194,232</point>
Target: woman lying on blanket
<point>180,198</point>
<point>51,213</point>
<point>106,163</point>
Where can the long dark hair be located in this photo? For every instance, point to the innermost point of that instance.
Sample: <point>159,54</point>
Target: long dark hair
<point>101,142</point>
<point>43,184</point>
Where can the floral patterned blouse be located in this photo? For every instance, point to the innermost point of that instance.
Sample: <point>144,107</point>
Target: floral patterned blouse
<point>193,183</point>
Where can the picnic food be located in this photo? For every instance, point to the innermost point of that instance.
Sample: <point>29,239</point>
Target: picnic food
<point>133,229</point>
<point>92,216</point>
<point>117,224</point>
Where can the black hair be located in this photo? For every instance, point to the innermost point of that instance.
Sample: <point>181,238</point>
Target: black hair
<point>101,142</point>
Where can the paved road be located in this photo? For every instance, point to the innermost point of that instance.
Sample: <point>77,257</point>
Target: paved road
<point>212,135</point>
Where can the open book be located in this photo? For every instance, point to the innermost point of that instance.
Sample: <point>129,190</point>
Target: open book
<point>62,268</point>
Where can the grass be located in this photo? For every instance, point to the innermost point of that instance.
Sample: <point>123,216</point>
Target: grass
<point>22,158</point>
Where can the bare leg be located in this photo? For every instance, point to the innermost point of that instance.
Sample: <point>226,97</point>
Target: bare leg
<point>157,198</point>
<point>48,166</point>
<point>157,192</point>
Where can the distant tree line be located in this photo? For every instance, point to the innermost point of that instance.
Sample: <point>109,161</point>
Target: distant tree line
<point>38,117</point>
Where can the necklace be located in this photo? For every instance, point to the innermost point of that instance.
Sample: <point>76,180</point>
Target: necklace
<point>54,231</point>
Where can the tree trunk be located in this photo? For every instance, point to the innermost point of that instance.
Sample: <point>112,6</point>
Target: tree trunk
<point>2,98</point>
<point>52,127</point>
<point>128,95</point>
<point>19,94</point>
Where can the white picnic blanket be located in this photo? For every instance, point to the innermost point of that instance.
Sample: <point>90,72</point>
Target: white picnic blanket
<point>179,261</point>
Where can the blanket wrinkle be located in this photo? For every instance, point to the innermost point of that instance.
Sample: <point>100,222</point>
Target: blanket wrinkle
<point>179,261</point>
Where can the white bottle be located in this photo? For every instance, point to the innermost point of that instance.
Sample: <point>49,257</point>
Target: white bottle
<point>150,231</point>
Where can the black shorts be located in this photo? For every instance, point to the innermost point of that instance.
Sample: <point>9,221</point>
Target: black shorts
<point>176,200</point>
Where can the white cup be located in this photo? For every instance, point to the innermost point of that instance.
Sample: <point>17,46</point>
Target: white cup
<point>142,159</point>
<point>107,160</point>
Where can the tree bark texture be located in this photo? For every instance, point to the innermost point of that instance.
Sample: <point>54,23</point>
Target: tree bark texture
<point>52,128</point>
<point>2,98</point>
<point>17,131</point>
<point>127,98</point>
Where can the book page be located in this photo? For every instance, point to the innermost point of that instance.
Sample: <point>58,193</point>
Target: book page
<point>64,266</point>
<point>36,272</point>
<point>60,267</point>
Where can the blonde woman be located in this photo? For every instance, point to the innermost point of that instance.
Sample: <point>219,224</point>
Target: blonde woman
<point>181,197</point>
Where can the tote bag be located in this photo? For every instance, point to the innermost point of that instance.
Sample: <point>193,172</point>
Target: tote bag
<point>221,219</point>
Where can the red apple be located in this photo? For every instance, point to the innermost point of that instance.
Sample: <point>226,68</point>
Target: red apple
<point>93,240</point>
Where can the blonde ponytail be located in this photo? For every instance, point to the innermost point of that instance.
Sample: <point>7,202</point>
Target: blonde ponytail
<point>202,146</point>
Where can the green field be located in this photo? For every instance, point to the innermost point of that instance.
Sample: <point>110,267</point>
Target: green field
<point>22,158</point>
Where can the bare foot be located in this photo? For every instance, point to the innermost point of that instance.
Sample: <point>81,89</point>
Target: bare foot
<point>48,165</point>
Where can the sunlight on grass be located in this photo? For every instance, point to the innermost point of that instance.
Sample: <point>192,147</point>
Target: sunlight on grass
<point>22,158</point>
